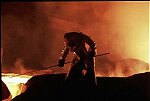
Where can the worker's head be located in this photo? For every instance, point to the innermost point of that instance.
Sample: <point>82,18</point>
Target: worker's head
<point>70,44</point>
<point>71,39</point>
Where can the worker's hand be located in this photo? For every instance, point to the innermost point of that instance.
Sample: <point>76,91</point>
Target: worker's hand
<point>91,54</point>
<point>61,62</point>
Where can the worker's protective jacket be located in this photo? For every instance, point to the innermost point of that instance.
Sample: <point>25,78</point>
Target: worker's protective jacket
<point>76,42</point>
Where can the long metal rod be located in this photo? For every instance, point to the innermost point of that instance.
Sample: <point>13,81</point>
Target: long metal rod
<point>52,66</point>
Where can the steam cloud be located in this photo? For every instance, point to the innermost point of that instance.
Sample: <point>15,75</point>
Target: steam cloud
<point>33,31</point>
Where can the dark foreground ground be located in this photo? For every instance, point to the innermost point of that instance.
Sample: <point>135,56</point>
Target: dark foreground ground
<point>53,88</point>
<point>5,91</point>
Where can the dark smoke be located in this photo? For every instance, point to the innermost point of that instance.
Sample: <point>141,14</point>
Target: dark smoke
<point>33,31</point>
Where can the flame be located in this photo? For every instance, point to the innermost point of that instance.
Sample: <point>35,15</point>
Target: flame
<point>128,22</point>
<point>16,84</point>
<point>122,68</point>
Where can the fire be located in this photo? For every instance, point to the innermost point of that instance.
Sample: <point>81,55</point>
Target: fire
<point>122,68</point>
<point>15,84</point>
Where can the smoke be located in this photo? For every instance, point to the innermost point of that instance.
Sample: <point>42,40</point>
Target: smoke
<point>33,31</point>
<point>19,64</point>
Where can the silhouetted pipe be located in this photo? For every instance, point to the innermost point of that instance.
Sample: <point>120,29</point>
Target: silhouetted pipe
<point>52,66</point>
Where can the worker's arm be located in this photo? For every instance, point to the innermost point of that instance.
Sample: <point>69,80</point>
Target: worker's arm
<point>91,43</point>
<point>63,56</point>
<point>64,52</point>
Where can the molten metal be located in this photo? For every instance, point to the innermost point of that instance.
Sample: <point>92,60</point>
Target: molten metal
<point>15,84</point>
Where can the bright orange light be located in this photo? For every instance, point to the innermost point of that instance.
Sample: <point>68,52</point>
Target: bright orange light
<point>15,84</point>
<point>131,21</point>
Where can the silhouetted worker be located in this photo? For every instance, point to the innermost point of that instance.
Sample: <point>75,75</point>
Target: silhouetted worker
<point>83,61</point>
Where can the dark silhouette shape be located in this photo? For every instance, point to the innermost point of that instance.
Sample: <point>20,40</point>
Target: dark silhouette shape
<point>52,87</point>
<point>82,66</point>
<point>5,91</point>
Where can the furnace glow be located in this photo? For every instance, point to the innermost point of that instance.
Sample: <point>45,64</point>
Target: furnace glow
<point>15,84</point>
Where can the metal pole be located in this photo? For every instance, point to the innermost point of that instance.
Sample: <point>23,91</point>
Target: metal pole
<point>52,66</point>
